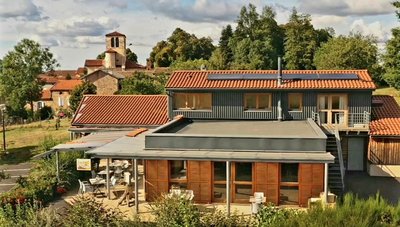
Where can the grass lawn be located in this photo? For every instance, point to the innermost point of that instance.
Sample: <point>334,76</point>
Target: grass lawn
<point>23,141</point>
<point>388,91</point>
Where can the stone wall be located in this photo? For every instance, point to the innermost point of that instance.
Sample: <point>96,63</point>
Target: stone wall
<point>105,84</point>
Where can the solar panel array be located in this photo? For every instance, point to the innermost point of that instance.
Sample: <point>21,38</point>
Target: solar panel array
<point>294,76</point>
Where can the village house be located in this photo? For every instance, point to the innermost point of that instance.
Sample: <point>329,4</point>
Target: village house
<point>107,73</point>
<point>61,92</point>
<point>48,80</point>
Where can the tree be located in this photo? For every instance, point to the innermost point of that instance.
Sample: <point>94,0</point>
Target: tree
<point>392,56</point>
<point>19,74</point>
<point>349,52</point>
<point>196,64</point>
<point>142,84</point>
<point>302,41</point>
<point>78,92</point>
<point>181,46</point>
<point>224,50</point>
<point>130,55</point>
<point>257,40</point>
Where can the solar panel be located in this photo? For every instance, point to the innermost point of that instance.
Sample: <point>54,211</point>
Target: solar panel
<point>294,76</point>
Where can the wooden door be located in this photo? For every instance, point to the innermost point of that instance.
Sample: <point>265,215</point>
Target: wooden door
<point>267,180</point>
<point>156,174</point>
<point>311,181</point>
<point>199,180</point>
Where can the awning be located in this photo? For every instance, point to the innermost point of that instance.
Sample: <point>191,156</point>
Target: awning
<point>85,143</point>
<point>133,147</point>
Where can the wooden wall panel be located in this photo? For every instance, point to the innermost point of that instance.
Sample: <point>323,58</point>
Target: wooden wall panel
<point>199,180</point>
<point>156,175</point>
<point>311,181</point>
<point>385,151</point>
<point>267,180</point>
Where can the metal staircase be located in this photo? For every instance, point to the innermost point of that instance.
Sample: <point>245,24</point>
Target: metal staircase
<point>336,169</point>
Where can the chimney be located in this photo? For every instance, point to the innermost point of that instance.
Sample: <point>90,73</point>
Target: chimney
<point>279,72</point>
<point>280,115</point>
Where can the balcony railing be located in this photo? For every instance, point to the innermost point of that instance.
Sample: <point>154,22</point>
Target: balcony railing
<point>346,120</point>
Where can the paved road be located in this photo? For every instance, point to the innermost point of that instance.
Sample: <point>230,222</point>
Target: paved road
<point>14,171</point>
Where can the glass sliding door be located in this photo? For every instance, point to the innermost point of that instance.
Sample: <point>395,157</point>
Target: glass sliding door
<point>219,182</point>
<point>289,184</point>
<point>333,109</point>
<point>242,187</point>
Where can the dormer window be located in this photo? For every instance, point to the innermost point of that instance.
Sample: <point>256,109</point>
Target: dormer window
<point>192,101</point>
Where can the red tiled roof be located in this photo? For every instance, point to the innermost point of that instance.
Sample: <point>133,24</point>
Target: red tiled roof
<point>122,110</point>
<point>115,33</point>
<point>66,85</point>
<point>198,79</point>
<point>110,51</point>
<point>52,77</point>
<point>46,95</point>
<point>132,65</point>
<point>93,62</point>
<point>386,116</point>
<point>80,71</point>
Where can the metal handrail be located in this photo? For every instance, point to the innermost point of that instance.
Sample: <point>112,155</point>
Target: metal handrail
<point>340,155</point>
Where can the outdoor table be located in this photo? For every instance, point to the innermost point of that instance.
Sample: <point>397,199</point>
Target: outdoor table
<point>97,183</point>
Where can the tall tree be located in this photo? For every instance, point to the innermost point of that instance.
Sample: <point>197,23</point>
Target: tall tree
<point>350,52</point>
<point>181,46</point>
<point>19,74</point>
<point>300,42</point>
<point>85,88</point>
<point>224,49</point>
<point>392,56</point>
<point>257,40</point>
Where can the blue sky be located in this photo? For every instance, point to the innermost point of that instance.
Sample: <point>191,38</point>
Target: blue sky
<point>74,29</point>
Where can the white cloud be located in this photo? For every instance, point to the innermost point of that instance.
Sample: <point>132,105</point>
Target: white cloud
<point>199,11</point>
<point>19,10</point>
<point>375,28</point>
<point>346,7</point>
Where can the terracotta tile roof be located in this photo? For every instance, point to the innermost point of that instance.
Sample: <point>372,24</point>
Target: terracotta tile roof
<point>46,95</point>
<point>132,65</point>
<point>52,77</point>
<point>93,62</point>
<point>198,79</point>
<point>115,33</point>
<point>80,71</point>
<point>385,115</point>
<point>122,110</point>
<point>110,51</point>
<point>66,85</point>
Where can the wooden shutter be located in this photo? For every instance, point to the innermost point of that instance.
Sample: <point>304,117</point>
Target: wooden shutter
<point>311,181</point>
<point>156,175</point>
<point>267,180</point>
<point>199,180</point>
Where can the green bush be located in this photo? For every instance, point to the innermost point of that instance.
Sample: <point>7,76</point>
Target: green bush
<point>393,78</point>
<point>46,113</point>
<point>219,218</point>
<point>87,212</point>
<point>27,215</point>
<point>175,211</point>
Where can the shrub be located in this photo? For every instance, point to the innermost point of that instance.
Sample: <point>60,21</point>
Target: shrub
<point>87,212</point>
<point>27,215</point>
<point>175,210</point>
<point>219,218</point>
<point>46,113</point>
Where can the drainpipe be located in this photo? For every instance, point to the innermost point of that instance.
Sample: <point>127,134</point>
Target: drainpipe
<point>280,93</point>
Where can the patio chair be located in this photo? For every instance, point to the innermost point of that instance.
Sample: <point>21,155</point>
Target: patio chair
<point>84,187</point>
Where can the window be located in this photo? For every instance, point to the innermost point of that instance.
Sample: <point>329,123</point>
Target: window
<point>192,101</point>
<point>332,108</point>
<point>112,42</point>
<point>219,178</point>
<point>257,101</point>
<point>177,174</point>
<point>40,105</point>
<point>289,184</point>
<point>242,181</point>
<point>295,101</point>
<point>116,42</point>
<point>60,101</point>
